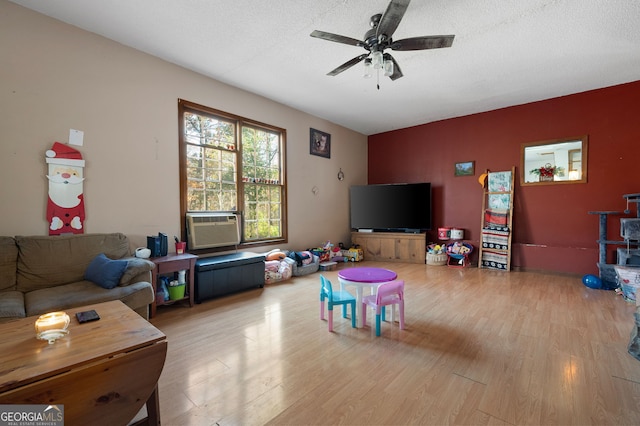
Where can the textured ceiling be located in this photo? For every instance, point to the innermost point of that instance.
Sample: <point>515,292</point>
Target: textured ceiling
<point>505,52</point>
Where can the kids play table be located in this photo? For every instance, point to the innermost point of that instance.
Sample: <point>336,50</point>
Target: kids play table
<point>361,277</point>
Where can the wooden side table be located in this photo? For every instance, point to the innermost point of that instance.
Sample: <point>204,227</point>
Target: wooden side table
<point>169,264</point>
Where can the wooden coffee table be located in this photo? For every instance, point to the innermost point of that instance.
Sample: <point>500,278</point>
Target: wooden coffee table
<point>103,372</point>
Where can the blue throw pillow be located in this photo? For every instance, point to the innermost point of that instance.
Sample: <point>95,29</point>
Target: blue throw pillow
<point>105,272</point>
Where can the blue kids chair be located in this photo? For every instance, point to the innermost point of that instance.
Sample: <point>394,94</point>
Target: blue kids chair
<point>343,298</point>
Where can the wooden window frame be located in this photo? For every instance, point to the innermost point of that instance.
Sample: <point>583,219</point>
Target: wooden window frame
<point>240,122</point>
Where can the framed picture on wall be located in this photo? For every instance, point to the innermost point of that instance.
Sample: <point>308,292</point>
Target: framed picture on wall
<point>319,143</point>
<point>467,168</point>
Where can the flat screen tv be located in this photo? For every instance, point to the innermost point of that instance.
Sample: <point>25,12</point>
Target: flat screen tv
<point>402,207</point>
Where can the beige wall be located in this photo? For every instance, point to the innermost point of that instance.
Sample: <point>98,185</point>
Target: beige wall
<point>54,77</point>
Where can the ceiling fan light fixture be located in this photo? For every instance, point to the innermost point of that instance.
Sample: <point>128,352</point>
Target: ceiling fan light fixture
<point>376,59</point>
<point>388,68</point>
<point>368,66</point>
<point>379,38</point>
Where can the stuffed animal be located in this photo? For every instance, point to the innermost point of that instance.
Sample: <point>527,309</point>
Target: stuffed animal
<point>436,249</point>
<point>275,255</point>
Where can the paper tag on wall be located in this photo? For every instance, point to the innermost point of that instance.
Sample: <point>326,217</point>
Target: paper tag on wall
<point>76,137</point>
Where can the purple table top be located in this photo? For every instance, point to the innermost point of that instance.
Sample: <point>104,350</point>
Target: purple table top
<point>367,275</point>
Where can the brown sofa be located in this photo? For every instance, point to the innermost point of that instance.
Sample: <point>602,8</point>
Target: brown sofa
<point>40,274</point>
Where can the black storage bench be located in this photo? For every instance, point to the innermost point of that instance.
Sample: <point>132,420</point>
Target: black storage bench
<point>228,273</point>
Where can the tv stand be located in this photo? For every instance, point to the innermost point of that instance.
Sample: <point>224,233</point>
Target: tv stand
<point>392,246</point>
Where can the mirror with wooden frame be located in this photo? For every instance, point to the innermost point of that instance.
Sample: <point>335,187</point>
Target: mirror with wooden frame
<point>556,161</point>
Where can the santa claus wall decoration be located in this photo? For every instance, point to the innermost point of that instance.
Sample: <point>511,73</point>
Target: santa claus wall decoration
<point>65,209</point>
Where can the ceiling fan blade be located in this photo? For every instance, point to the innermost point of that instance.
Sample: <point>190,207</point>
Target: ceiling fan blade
<point>336,38</point>
<point>348,64</point>
<point>397,72</point>
<point>421,43</point>
<point>391,18</point>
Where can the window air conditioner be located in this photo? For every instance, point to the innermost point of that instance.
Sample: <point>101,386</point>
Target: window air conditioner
<point>206,230</point>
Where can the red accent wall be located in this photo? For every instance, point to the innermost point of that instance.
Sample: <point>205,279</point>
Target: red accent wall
<point>552,228</point>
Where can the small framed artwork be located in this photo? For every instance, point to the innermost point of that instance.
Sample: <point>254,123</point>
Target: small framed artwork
<point>467,168</point>
<point>319,143</point>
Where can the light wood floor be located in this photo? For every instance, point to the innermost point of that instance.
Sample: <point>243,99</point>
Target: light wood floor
<point>480,347</point>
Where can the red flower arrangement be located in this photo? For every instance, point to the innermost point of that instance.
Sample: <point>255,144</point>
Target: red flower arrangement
<point>547,171</point>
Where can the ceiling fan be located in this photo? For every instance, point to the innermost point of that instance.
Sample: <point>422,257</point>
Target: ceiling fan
<point>378,39</point>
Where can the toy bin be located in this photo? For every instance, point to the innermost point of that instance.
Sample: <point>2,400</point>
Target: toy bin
<point>628,280</point>
<point>436,259</point>
<point>328,266</point>
<point>436,255</point>
<point>176,292</point>
<point>444,233</point>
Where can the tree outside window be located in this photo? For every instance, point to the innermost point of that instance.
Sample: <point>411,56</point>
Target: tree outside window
<point>233,165</point>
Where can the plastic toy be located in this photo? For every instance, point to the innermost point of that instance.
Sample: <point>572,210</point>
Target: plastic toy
<point>592,281</point>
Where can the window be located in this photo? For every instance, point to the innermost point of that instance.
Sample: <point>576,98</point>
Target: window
<point>233,164</point>
<point>575,161</point>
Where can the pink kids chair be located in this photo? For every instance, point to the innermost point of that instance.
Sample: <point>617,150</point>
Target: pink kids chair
<point>391,293</point>
<point>343,298</point>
